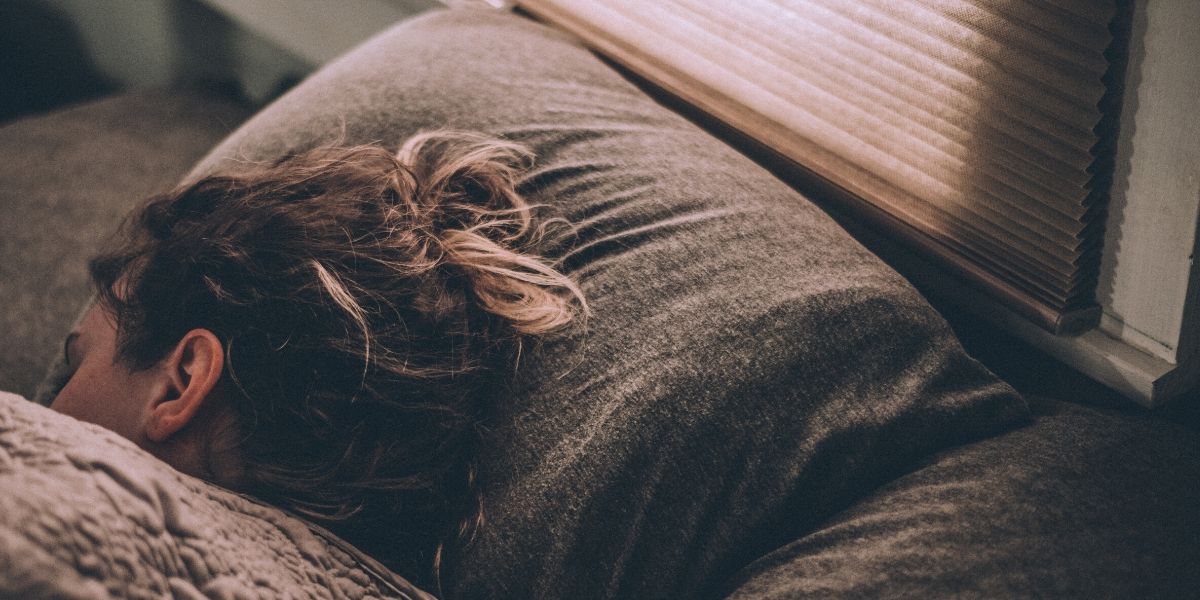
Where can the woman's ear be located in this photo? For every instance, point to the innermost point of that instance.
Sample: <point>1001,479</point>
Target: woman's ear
<point>190,375</point>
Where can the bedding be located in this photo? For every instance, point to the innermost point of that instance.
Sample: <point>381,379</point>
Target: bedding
<point>1082,503</point>
<point>86,514</point>
<point>760,406</point>
<point>751,369</point>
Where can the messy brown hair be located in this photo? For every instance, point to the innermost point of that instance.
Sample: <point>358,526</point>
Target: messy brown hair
<point>369,304</point>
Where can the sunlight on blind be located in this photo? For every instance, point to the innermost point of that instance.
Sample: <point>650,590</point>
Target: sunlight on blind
<point>968,124</point>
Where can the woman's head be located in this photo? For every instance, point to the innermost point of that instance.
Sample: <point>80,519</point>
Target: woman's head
<point>339,316</point>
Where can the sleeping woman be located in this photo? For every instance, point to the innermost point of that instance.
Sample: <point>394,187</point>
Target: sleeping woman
<point>325,332</point>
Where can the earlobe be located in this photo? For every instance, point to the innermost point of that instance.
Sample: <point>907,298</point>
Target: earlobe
<point>191,373</point>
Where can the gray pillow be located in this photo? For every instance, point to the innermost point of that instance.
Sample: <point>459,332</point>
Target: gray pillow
<point>1083,503</point>
<point>750,370</point>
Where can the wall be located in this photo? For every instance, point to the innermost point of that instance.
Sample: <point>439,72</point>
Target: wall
<point>322,30</point>
<point>1156,193</point>
<point>262,45</point>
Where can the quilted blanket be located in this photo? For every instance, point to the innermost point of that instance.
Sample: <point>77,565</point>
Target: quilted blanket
<point>86,514</point>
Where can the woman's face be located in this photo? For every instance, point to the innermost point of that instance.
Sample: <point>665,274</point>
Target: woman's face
<point>102,390</point>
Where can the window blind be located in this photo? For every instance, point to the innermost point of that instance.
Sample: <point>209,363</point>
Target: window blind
<point>967,127</point>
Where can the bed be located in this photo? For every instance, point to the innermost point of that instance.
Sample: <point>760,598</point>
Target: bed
<point>761,408</point>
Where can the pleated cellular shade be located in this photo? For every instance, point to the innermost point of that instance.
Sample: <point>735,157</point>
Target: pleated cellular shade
<point>968,129</point>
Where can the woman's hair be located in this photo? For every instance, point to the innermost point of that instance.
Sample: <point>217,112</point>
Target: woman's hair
<point>369,305</point>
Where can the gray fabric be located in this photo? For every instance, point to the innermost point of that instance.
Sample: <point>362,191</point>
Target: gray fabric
<point>750,370</point>
<point>86,514</point>
<point>1080,504</point>
<point>66,179</point>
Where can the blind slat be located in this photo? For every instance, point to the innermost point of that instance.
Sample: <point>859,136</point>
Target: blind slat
<point>970,54</point>
<point>966,126</point>
<point>803,51</point>
<point>1057,47</point>
<point>1013,101</point>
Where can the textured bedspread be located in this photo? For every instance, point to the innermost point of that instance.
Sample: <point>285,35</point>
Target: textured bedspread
<point>86,514</point>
